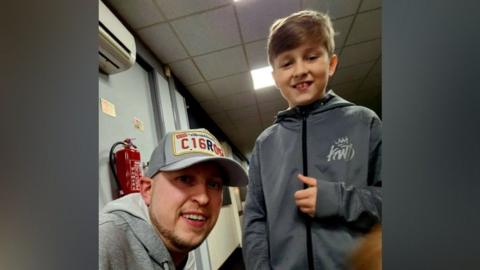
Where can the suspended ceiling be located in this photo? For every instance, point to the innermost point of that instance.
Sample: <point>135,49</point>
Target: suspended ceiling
<point>211,45</point>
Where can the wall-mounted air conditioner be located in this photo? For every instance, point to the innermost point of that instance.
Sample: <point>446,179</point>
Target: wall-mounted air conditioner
<point>116,49</point>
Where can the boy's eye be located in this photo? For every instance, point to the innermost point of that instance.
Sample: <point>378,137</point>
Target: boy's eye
<point>286,63</point>
<point>214,184</point>
<point>312,57</point>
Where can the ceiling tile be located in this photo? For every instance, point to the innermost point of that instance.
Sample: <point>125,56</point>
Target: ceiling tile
<point>372,81</point>
<point>268,94</point>
<point>253,123</point>
<point>256,17</point>
<point>341,28</point>
<point>377,69</point>
<point>268,118</point>
<point>351,73</point>
<point>370,4</point>
<point>138,13</point>
<point>273,105</point>
<point>243,99</point>
<point>370,97</point>
<point>220,118</point>
<point>228,128</point>
<point>177,8</point>
<point>257,54</point>
<point>232,84</point>
<point>231,131</point>
<point>360,53</point>
<point>222,63</point>
<point>245,112</point>
<point>367,26</point>
<point>335,8</point>
<point>210,31</point>
<point>163,42</point>
<point>186,72</point>
<point>201,92</point>
<point>212,106</point>
<point>347,90</point>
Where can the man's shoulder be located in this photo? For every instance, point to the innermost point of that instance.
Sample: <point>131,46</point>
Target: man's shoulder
<point>110,219</point>
<point>112,228</point>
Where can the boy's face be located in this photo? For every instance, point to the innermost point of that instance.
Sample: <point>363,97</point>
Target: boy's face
<point>302,73</point>
<point>184,205</point>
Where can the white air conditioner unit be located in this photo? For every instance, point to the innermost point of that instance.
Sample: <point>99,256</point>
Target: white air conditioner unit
<point>116,49</point>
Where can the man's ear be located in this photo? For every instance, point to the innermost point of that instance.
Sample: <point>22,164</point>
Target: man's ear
<point>332,65</point>
<point>146,189</point>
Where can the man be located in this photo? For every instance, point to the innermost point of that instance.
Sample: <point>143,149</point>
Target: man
<point>177,207</point>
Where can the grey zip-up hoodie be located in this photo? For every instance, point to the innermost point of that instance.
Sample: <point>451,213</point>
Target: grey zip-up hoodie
<point>343,152</point>
<point>127,240</point>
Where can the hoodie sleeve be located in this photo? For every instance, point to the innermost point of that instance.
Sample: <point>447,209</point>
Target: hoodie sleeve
<point>255,242</point>
<point>360,206</point>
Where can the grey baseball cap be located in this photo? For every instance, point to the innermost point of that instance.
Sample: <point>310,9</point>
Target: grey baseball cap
<point>183,148</point>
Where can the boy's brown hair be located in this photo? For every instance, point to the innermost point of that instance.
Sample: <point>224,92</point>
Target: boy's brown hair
<point>304,26</point>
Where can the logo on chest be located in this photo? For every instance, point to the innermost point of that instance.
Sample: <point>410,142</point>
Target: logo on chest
<point>341,149</point>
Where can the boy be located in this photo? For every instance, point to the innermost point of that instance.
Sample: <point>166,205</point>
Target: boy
<point>179,202</point>
<point>315,174</point>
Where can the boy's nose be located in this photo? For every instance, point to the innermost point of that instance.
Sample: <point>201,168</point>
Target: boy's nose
<point>299,70</point>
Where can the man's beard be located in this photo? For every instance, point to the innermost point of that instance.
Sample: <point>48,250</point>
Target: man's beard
<point>174,240</point>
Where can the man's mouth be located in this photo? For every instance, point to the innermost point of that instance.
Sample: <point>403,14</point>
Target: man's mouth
<point>195,219</point>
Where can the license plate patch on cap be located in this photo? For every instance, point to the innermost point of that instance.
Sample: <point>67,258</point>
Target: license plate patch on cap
<point>196,142</point>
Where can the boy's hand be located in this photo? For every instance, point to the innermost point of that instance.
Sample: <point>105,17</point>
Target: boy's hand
<point>306,199</point>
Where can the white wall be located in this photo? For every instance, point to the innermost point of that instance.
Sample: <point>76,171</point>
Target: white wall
<point>129,91</point>
<point>182,111</point>
<point>223,239</point>
<point>226,236</point>
<point>166,103</point>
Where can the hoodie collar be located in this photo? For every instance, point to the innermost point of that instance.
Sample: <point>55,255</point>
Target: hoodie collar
<point>330,101</point>
<point>134,211</point>
<point>146,234</point>
<point>132,203</point>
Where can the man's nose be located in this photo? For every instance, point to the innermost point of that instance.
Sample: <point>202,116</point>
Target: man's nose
<point>200,194</point>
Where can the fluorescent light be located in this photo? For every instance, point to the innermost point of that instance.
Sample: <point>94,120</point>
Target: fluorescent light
<point>262,77</point>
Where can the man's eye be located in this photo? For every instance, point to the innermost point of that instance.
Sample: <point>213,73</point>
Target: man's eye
<point>214,185</point>
<point>185,179</point>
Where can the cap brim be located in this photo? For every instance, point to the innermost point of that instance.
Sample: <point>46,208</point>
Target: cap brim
<point>236,175</point>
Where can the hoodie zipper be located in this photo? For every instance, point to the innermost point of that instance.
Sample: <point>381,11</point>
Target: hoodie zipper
<point>308,220</point>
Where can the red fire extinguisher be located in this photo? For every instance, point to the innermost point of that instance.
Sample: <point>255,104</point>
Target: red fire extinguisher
<point>126,167</point>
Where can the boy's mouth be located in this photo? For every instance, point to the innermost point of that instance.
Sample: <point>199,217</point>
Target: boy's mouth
<point>302,86</point>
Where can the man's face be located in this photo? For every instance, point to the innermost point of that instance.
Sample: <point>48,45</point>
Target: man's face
<point>302,73</point>
<point>184,205</point>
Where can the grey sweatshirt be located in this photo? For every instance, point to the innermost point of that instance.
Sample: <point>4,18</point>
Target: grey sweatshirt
<point>342,150</point>
<point>127,239</point>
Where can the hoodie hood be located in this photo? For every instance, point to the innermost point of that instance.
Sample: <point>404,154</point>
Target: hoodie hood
<point>329,102</point>
<point>132,203</point>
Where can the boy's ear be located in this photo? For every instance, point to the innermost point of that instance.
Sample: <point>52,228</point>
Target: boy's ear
<point>333,65</point>
<point>146,189</point>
